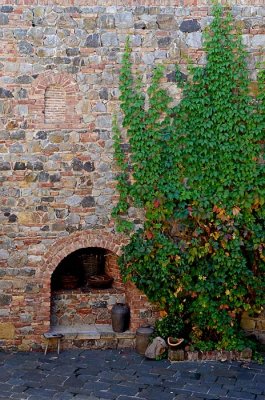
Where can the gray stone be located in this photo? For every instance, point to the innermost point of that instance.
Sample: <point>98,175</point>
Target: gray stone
<point>136,40</point>
<point>150,21</point>
<point>91,219</point>
<point>62,60</point>
<point>7,9</point>
<point>42,135</point>
<point>206,21</point>
<point>106,21</point>
<point>4,93</point>
<point>26,272</point>
<point>55,177</point>
<point>26,317</point>
<point>104,122</point>
<point>58,226</point>
<point>20,33</point>
<point>51,41</point>
<point>73,52</point>
<point>190,25</point>
<point>140,25</point>
<point>4,312</point>
<point>5,166</point>
<point>258,40</point>
<point>161,54</point>
<point>109,39</point>
<point>51,18</point>
<point>103,94</point>
<point>5,299</point>
<point>164,41</point>
<point>73,219</point>
<point>18,135</point>
<point>140,10</point>
<point>25,47</point>
<point>124,20</point>
<point>148,58</point>
<point>61,213</point>
<point>194,40</point>
<point>166,22</point>
<point>93,40</point>
<point>36,166</point>
<point>4,254</point>
<point>19,166</point>
<point>12,218</point>
<point>42,208</point>
<point>77,164</point>
<point>74,200</point>
<point>99,107</point>
<point>89,166</point>
<point>43,176</point>
<point>156,348</point>
<point>4,19</point>
<point>22,109</point>
<point>103,167</point>
<point>45,52</point>
<point>24,79</point>
<point>88,201</point>
<point>66,21</point>
<point>99,304</point>
<point>22,94</point>
<point>18,259</point>
<point>90,23</point>
<point>102,200</point>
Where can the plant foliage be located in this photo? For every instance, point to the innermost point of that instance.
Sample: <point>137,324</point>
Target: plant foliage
<point>196,171</point>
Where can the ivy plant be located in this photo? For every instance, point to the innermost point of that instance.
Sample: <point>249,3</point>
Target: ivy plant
<point>196,169</point>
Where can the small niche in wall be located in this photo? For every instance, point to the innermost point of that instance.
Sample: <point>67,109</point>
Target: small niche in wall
<point>55,105</point>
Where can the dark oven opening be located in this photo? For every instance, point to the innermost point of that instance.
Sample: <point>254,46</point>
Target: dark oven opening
<point>84,268</point>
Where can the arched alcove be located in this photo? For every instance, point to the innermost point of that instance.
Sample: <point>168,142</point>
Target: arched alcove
<point>54,104</point>
<point>54,97</point>
<point>141,311</point>
<point>84,287</point>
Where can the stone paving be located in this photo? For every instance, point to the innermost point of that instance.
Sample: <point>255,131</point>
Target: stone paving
<point>124,375</point>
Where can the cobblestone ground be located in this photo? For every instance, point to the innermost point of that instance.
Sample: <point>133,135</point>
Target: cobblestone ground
<point>124,375</point>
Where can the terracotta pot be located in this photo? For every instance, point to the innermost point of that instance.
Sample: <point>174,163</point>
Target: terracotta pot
<point>174,342</point>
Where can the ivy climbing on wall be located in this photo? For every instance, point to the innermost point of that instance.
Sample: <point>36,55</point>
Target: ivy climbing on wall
<point>196,171</point>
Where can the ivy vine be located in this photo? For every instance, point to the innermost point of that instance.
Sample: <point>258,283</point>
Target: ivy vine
<point>196,171</point>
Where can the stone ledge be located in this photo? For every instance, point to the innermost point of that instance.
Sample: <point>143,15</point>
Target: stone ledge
<point>91,332</point>
<point>99,337</point>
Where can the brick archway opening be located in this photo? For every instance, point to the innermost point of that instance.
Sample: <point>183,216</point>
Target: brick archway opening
<point>141,311</point>
<point>84,287</point>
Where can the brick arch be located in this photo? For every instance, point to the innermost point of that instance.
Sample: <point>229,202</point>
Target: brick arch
<point>64,81</point>
<point>64,246</point>
<point>78,240</point>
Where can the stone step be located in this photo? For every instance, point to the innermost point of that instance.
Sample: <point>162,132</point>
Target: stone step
<point>95,332</point>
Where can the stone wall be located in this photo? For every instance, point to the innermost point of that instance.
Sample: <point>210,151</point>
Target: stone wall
<point>59,73</point>
<point>77,308</point>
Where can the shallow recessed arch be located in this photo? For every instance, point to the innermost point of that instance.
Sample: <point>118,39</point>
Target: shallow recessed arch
<point>64,83</point>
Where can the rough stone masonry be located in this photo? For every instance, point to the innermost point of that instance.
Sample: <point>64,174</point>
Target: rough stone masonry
<point>59,79</point>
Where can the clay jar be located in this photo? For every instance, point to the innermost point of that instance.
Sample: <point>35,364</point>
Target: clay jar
<point>143,335</point>
<point>120,316</point>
